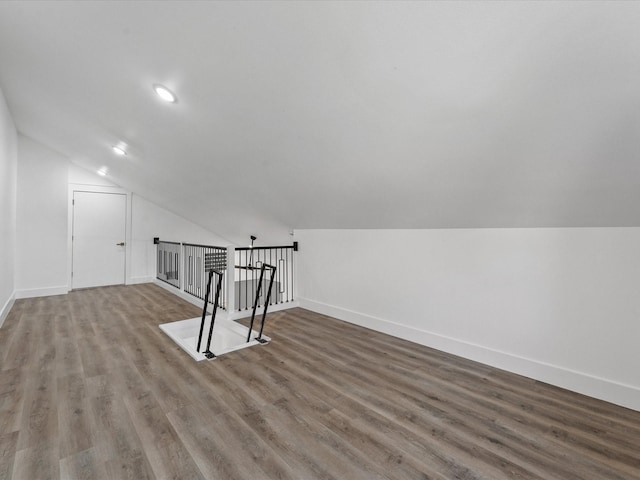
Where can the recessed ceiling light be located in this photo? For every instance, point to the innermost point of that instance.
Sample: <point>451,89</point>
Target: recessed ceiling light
<point>103,171</point>
<point>164,93</point>
<point>119,150</point>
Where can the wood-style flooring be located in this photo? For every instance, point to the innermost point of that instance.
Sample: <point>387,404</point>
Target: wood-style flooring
<point>91,388</point>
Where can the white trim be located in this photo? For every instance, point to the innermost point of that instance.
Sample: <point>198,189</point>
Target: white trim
<point>137,280</point>
<point>42,292</point>
<point>228,336</point>
<point>4,313</point>
<point>584,383</point>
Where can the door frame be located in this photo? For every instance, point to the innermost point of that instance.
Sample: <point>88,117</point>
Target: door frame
<point>75,187</point>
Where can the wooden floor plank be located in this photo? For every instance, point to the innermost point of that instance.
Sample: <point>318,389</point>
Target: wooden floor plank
<point>225,447</point>
<point>90,387</point>
<point>39,418</point>
<point>83,465</point>
<point>167,454</point>
<point>462,403</point>
<point>482,457</point>
<point>8,447</point>
<point>38,462</point>
<point>74,416</point>
<point>12,384</point>
<point>129,468</point>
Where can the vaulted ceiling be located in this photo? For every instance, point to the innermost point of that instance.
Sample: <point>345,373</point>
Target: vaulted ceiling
<point>341,114</point>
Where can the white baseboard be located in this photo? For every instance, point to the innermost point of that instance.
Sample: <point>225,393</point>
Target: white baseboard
<point>618,393</point>
<point>7,308</point>
<point>138,280</point>
<point>42,292</point>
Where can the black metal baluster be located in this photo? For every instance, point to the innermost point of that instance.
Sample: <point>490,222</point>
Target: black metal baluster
<point>204,312</point>
<point>208,352</point>
<point>255,303</point>
<point>266,304</point>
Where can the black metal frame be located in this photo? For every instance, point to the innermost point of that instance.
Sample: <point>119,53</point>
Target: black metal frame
<point>198,260</point>
<point>207,352</point>
<point>168,263</point>
<point>249,261</point>
<point>266,302</point>
<point>213,260</point>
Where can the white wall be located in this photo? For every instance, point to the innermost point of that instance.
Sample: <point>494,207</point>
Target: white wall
<point>149,221</point>
<point>558,305</point>
<point>81,176</point>
<point>8,185</point>
<point>41,252</point>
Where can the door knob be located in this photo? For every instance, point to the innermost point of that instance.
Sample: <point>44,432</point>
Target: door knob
<point>121,244</point>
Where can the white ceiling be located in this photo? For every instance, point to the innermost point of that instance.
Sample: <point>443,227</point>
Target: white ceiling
<point>341,114</point>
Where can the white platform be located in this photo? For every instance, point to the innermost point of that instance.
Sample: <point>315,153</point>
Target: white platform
<point>228,336</point>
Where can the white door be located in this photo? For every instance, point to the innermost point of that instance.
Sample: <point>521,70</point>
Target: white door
<point>98,241</point>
